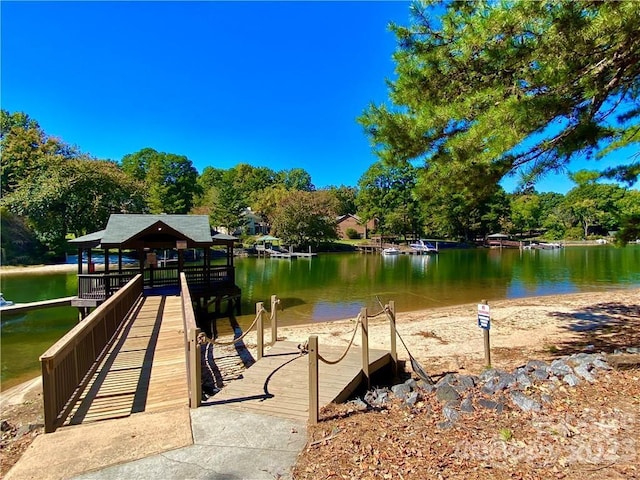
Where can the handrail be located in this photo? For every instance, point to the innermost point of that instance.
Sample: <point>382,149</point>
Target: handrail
<point>258,322</point>
<point>191,346</point>
<point>68,365</point>
<point>315,357</point>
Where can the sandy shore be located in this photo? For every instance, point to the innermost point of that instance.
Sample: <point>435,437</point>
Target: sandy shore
<point>11,270</point>
<point>450,338</point>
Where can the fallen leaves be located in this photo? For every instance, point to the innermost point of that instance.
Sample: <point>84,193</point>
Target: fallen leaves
<point>587,432</point>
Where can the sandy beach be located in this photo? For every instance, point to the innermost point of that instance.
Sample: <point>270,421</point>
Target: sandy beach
<point>17,270</point>
<point>449,337</point>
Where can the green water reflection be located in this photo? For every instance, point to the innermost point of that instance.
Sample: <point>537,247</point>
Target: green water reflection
<point>336,286</point>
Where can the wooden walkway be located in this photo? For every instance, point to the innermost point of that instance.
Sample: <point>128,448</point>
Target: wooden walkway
<point>278,384</point>
<point>145,369</point>
<point>145,372</point>
<point>25,307</point>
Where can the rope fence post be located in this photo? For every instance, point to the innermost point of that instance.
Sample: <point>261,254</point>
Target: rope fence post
<point>392,326</point>
<point>365,346</point>
<point>313,379</point>
<point>274,319</point>
<point>260,329</point>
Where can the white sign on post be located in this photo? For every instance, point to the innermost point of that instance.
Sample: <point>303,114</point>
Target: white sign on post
<point>484,316</point>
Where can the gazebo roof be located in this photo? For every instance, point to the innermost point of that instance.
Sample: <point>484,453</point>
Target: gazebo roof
<point>132,230</point>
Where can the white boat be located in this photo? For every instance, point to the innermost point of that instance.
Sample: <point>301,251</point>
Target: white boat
<point>423,246</point>
<point>549,246</point>
<point>5,303</point>
<point>390,251</point>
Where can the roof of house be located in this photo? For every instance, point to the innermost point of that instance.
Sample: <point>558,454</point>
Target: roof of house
<point>341,218</point>
<point>124,228</point>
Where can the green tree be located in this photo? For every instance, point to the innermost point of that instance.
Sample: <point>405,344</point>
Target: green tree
<point>295,179</point>
<point>345,197</point>
<point>248,180</point>
<point>509,86</point>
<point>226,207</point>
<point>171,179</point>
<point>266,201</point>
<point>629,206</point>
<point>594,204</point>
<point>305,219</point>
<point>26,149</point>
<point>387,195</point>
<point>525,212</point>
<point>76,196</point>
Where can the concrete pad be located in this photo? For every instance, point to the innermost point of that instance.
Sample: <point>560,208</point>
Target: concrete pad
<point>74,450</point>
<point>228,445</point>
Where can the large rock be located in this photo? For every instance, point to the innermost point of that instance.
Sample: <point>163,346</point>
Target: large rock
<point>451,413</point>
<point>467,405</point>
<point>560,368</point>
<point>446,393</point>
<point>505,381</point>
<point>536,365</point>
<point>524,402</point>
<point>412,399</point>
<point>491,405</point>
<point>571,380</point>
<point>401,391</point>
<point>524,380</point>
<point>583,372</point>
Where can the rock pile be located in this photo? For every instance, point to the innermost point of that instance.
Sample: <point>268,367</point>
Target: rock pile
<point>494,389</point>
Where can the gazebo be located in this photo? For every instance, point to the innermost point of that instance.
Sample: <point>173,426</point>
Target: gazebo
<point>146,235</point>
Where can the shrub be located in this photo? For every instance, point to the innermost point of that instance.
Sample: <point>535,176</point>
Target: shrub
<point>352,234</point>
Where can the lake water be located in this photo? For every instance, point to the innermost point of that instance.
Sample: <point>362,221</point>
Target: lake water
<point>333,286</point>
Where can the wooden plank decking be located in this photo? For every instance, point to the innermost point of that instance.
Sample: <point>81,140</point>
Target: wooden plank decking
<point>278,383</point>
<point>145,372</point>
<point>145,369</point>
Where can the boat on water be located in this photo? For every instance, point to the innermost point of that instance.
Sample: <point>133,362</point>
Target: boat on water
<point>390,251</point>
<point>423,246</point>
<point>5,303</point>
<point>542,246</point>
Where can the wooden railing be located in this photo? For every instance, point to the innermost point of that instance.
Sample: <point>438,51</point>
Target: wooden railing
<point>69,364</point>
<point>315,357</point>
<point>99,286</point>
<point>191,346</point>
<point>102,285</point>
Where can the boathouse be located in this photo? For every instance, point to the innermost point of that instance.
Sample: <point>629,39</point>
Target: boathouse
<point>189,243</point>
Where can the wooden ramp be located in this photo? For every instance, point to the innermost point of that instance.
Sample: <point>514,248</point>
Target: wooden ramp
<point>278,384</point>
<point>145,369</point>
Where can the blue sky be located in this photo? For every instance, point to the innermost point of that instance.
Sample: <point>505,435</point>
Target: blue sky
<point>276,84</point>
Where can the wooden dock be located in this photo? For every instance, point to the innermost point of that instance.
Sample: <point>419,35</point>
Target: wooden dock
<point>25,307</point>
<point>278,383</point>
<point>145,369</point>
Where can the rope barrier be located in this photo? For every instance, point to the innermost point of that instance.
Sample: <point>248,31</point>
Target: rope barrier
<point>344,354</point>
<point>236,340</point>
<point>415,365</point>
<point>381,312</point>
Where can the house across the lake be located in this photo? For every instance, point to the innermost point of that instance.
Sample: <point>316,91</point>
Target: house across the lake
<point>349,221</point>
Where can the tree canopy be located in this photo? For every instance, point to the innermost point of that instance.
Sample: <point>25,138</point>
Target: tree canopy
<point>488,88</point>
<point>305,218</point>
<point>171,179</point>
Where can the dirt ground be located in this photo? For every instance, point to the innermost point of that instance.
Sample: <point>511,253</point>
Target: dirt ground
<point>449,340</point>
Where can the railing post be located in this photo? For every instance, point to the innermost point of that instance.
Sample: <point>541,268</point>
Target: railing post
<point>274,319</point>
<point>313,379</point>
<point>49,396</point>
<point>260,329</point>
<point>392,325</point>
<point>195,369</point>
<point>365,346</point>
